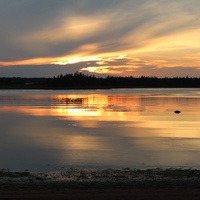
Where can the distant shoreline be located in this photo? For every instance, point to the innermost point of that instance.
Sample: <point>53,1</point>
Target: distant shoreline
<point>82,81</point>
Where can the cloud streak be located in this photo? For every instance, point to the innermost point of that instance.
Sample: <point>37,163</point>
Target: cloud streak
<point>35,32</point>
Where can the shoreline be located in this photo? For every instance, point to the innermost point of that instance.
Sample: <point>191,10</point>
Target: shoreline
<point>83,178</point>
<point>125,177</point>
<point>99,184</point>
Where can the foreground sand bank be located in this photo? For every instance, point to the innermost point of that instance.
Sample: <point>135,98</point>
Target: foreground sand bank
<point>101,184</point>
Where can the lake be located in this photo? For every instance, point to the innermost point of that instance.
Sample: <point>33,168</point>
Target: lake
<point>117,128</point>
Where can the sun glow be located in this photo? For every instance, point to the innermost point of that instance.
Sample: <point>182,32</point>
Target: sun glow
<point>73,60</point>
<point>103,70</point>
<point>170,51</point>
<point>98,42</point>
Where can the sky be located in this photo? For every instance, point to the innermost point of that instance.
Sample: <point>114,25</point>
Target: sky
<point>45,38</point>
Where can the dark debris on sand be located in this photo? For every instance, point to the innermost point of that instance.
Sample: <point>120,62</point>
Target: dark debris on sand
<point>101,178</point>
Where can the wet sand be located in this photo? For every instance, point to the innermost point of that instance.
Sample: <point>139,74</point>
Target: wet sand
<point>103,193</point>
<point>102,184</point>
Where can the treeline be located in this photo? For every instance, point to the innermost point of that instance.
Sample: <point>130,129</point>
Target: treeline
<point>81,81</point>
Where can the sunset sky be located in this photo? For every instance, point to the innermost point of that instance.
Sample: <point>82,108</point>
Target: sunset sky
<point>43,38</point>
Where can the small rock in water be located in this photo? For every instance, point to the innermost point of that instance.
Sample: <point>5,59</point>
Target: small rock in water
<point>177,111</point>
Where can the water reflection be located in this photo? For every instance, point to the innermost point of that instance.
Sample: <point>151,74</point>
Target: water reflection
<point>103,130</point>
<point>129,108</point>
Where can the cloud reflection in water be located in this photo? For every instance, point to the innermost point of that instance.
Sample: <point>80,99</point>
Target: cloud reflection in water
<point>102,130</point>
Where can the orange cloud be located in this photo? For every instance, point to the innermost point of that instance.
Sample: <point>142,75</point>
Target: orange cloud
<point>157,34</point>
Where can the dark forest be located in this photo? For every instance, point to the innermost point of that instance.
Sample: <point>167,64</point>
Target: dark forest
<point>79,80</point>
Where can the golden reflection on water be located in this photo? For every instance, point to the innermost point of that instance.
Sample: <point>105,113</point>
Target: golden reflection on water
<point>78,142</point>
<point>130,108</point>
<point>118,124</point>
<point>151,112</point>
<point>108,107</point>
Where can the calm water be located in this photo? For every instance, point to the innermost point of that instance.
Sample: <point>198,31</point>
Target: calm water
<point>134,128</point>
